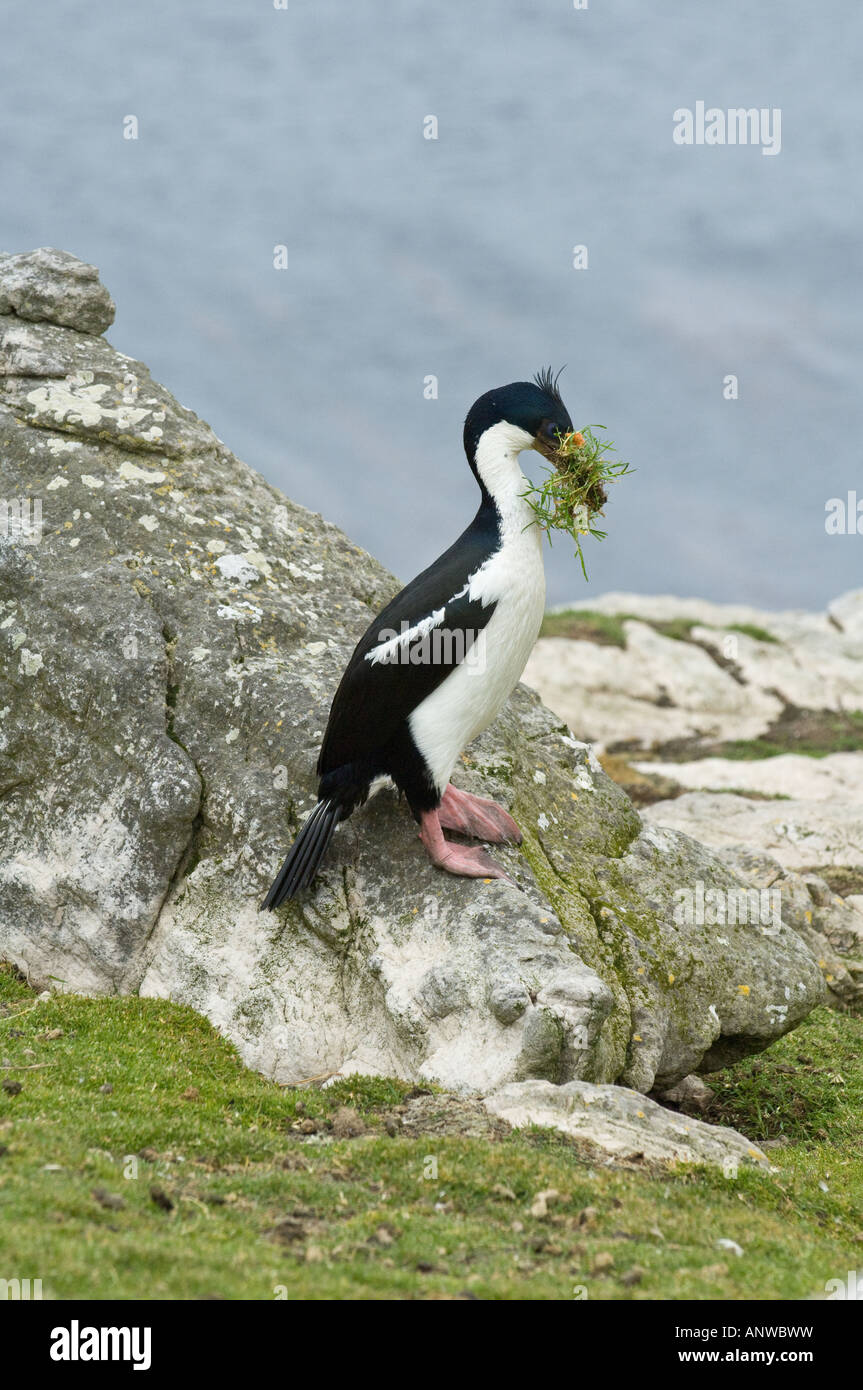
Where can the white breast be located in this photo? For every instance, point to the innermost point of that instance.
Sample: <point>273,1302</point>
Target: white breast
<point>472,696</point>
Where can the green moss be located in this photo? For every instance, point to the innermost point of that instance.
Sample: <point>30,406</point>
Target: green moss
<point>679,629</point>
<point>827,732</point>
<point>758,634</point>
<point>567,895</point>
<point>542,1047</point>
<point>814,733</point>
<point>606,629</point>
<point>577,623</point>
<point>748,793</point>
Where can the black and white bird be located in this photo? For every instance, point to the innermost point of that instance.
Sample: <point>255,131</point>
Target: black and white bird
<point>437,665</point>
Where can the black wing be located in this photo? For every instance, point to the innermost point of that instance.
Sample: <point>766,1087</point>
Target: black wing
<point>375,698</point>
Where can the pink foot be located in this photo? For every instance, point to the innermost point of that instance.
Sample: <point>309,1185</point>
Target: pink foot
<point>478,817</point>
<point>456,859</point>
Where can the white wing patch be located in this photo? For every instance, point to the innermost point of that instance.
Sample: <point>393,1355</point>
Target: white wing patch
<point>388,649</point>
<point>477,589</point>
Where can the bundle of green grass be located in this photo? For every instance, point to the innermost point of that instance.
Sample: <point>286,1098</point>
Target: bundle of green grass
<point>574,493</point>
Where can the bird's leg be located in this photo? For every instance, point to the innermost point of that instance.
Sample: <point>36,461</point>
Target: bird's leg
<point>456,859</point>
<point>478,817</point>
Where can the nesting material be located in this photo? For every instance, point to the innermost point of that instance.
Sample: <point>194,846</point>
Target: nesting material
<point>574,493</point>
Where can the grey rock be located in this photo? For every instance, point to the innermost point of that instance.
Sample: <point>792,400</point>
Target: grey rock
<point>847,613</point>
<point>799,834</point>
<point>624,1124</point>
<point>819,891</point>
<point>690,1091</point>
<point>702,989</point>
<point>830,926</point>
<point>855,902</point>
<point>836,778</point>
<point>441,991</point>
<point>52,285</point>
<point>761,869</point>
<point>168,653</point>
<point>508,999</point>
<point>654,690</point>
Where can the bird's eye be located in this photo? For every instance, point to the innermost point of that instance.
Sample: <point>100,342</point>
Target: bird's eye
<point>551,431</point>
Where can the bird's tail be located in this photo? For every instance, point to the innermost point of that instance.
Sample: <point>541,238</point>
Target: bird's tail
<point>305,854</point>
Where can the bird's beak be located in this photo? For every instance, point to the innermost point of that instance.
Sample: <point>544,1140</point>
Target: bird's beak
<point>551,452</point>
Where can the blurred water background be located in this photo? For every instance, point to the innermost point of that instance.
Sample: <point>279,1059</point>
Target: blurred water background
<point>453,257</point>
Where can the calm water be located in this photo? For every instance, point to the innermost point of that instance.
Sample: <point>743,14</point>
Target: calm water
<point>410,257</point>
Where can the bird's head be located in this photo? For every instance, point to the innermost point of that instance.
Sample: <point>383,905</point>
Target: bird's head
<point>523,415</point>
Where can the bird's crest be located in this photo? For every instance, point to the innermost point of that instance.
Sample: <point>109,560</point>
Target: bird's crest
<point>547,381</point>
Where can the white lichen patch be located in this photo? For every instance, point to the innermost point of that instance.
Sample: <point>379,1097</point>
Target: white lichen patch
<point>72,402</point>
<point>148,522</point>
<point>309,573</point>
<point>260,562</point>
<point>216,547</point>
<point>583,779</point>
<point>89,481</point>
<point>29,663</point>
<point>56,445</point>
<point>56,482</point>
<point>237,568</point>
<point>134,474</point>
<point>238,611</point>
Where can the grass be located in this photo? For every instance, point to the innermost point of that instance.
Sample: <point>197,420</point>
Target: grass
<point>248,1206</point>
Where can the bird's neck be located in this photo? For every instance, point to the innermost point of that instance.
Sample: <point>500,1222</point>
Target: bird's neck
<point>503,484</point>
